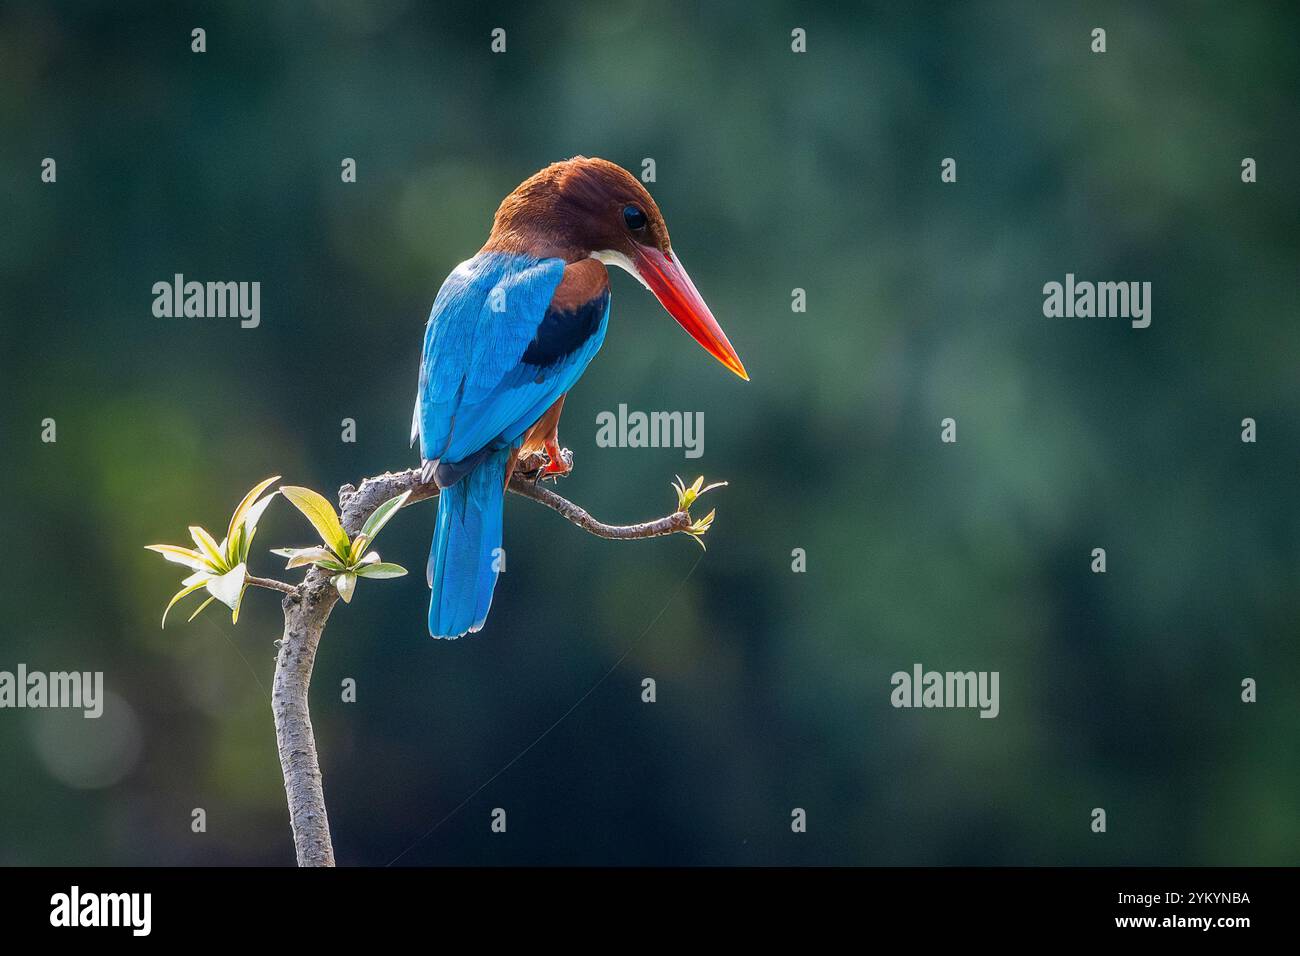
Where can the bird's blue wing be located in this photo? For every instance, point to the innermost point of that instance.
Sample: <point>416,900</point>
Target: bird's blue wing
<point>496,356</point>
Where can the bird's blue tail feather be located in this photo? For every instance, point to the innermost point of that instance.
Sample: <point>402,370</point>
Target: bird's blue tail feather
<point>463,559</point>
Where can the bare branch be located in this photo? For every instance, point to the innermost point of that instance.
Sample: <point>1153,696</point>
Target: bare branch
<point>270,584</point>
<point>358,503</point>
<point>669,524</point>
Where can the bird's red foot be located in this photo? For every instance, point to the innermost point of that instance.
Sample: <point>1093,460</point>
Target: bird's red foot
<point>559,464</point>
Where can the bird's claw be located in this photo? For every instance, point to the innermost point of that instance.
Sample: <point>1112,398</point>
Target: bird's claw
<point>559,463</point>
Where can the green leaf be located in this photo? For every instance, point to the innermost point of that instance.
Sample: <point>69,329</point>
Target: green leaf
<point>188,589</point>
<point>233,545</point>
<point>245,542</point>
<point>199,609</point>
<point>375,523</point>
<point>322,517</point>
<point>234,611</point>
<point>680,488</point>
<point>688,494</point>
<point>300,557</point>
<point>242,509</point>
<point>346,584</point>
<point>228,587</point>
<point>177,555</point>
<point>208,545</point>
<point>380,570</point>
<point>250,524</point>
<point>700,528</point>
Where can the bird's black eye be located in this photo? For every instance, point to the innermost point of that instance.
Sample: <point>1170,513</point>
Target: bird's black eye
<point>634,218</point>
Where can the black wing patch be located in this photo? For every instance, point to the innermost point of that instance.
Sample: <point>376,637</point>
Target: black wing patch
<point>563,332</point>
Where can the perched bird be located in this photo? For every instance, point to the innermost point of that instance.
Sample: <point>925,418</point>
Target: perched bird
<point>511,331</point>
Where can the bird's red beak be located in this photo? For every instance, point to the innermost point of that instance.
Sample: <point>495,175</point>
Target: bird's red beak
<point>677,293</point>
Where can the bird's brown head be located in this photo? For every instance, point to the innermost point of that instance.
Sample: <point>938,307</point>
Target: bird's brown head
<point>578,207</point>
<point>593,209</point>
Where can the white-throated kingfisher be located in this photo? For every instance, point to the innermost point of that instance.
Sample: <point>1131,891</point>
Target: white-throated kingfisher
<point>511,331</point>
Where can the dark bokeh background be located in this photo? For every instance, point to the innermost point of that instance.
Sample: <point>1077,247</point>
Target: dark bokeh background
<point>775,171</point>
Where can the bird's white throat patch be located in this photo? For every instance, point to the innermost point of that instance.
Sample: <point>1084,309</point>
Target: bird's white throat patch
<point>612,257</point>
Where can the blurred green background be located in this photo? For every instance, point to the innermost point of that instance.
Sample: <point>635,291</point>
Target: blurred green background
<point>775,171</point>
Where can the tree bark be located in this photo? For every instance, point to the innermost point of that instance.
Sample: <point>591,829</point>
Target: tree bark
<point>305,614</point>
